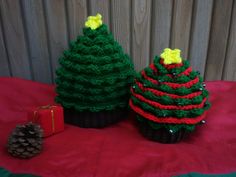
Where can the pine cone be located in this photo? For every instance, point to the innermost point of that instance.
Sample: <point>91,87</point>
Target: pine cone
<point>25,141</point>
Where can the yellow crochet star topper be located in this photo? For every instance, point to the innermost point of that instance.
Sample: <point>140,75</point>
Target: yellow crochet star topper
<point>171,56</point>
<point>94,22</point>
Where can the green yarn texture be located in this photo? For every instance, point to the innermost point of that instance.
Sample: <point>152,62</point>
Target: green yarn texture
<point>6,173</point>
<point>95,74</point>
<point>170,76</point>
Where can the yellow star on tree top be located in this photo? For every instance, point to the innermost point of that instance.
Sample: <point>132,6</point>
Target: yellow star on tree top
<point>94,22</point>
<point>171,56</point>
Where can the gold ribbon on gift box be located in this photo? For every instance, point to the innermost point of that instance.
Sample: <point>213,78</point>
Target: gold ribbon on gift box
<point>52,114</point>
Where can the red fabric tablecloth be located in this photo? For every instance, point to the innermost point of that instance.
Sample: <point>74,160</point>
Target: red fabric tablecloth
<point>119,150</point>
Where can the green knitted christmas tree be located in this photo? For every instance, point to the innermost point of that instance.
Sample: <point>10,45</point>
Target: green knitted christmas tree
<point>169,98</point>
<point>94,78</point>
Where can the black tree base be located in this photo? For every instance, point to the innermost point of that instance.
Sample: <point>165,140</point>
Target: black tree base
<point>94,119</point>
<point>161,135</point>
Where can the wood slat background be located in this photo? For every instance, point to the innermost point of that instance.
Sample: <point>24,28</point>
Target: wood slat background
<point>34,33</point>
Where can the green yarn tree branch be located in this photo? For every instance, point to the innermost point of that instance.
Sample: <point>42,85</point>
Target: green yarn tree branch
<point>95,73</point>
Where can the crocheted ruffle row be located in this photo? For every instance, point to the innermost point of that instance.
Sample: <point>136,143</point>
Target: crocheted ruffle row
<point>171,120</point>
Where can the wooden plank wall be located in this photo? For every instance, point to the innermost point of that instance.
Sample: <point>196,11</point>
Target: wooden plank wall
<point>33,34</point>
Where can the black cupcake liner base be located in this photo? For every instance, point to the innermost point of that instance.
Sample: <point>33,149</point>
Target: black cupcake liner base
<point>161,135</point>
<point>94,119</point>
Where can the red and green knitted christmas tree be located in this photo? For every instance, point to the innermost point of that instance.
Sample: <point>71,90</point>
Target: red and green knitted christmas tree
<point>169,98</point>
<point>94,78</point>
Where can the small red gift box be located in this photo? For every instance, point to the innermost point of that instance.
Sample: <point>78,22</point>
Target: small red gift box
<point>50,118</point>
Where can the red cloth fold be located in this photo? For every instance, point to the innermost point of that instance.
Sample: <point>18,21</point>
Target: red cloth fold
<point>119,150</point>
